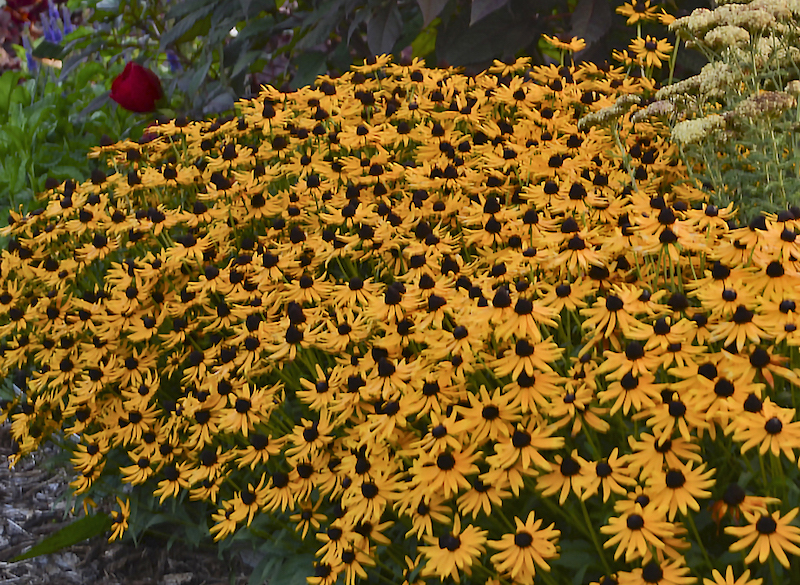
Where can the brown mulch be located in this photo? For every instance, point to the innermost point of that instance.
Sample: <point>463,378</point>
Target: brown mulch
<point>33,506</point>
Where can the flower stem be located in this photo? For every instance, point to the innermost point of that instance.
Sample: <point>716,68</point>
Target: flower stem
<point>600,550</point>
<point>699,540</point>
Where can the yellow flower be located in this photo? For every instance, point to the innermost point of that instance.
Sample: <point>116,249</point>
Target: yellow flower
<point>650,51</point>
<point>120,519</point>
<point>528,547</point>
<point>767,533</point>
<point>729,579</point>
<point>635,530</point>
<point>454,551</point>
<point>573,45</point>
<point>638,11</point>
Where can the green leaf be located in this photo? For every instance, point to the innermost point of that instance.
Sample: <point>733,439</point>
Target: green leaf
<point>483,8</point>
<point>76,532</point>
<point>48,50</point>
<point>184,26</point>
<point>244,61</point>
<point>199,76</point>
<point>577,556</point>
<point>66,172</point>
<point>87,73</point>
<point>92,107</point>
<point>500,35</point>
<point>425,43</point>
<point>309,65</point>
<point>108,5</point>
<point>76,60</point>
<point>361,16</point>
<point>430,10</point>
<point>262,571</point>
<point>38,117</point>
<point>591,20</point>
<point>9,81</point>
<point>17,136</point>
<point>294,570</point>
<point>323,21</point>
<point>384,28</point>
<point>178,10</point>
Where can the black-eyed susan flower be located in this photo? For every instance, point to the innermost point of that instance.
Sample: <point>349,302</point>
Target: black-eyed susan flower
<point>247,408</point>
<point>573,45</point>
<point>524,445</point>
<point>354,561</point>
<point>527,357</point>
<point>454,552</point>
<point>576,405</point>
<point>482,496</point>
<point>224,522</point>
<point>768,534</point>
<point>772,429</point>
<point>735,501</point>
<point>424,513</point>
<point>367,499</point>
<point>488,417</point>
<point>614,313</point>
<point>654,573</point>
<point>299,311</point>
<point>175,478</point>
<point>446,472</point>
<point>651,453</point>
<point>637,11</point>
<point>631,392</point>
<point>678,489</point>
<point>730,579</point>
<point>564,478</point>
<point>120,519</point>
<point>307,517</point>
<point>529,546</point>
<point>636,530</point>
<point>607,476</point>
<point>325,573</point>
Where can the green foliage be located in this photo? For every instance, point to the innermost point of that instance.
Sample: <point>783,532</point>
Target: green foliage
<point>77,531</point>
<point>49,126</point>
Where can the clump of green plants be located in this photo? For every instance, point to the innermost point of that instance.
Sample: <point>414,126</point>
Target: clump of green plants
<point>736,121</point>
<point>423,327</point>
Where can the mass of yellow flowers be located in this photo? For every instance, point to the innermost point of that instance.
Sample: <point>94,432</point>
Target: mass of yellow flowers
<point>427,323</point>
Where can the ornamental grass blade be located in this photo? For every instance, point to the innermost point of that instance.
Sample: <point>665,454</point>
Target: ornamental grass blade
<point>78,531</point>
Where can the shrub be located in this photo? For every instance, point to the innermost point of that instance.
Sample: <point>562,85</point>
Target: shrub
<point>428,323</point>
<point>735,122</point>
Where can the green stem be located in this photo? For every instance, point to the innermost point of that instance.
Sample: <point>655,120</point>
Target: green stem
<point>777,474</point>
<point>505,519</point>
<point>673,59</point>
<point>772,571</point>
<point>548,578</point>
<point>763,472</point>
<point>589,433</point>
<point>600,549</point>
<point>699,540</point>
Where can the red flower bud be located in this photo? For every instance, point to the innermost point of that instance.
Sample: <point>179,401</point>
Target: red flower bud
<point>136,89</point>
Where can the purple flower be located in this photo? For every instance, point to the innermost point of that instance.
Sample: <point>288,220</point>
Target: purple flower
<point>52,25</point>
<point>174,62</point>
<point>26,43</point>
<point>66,16</point>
